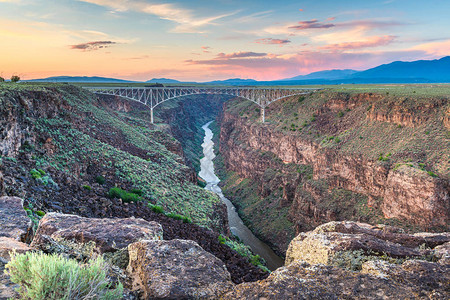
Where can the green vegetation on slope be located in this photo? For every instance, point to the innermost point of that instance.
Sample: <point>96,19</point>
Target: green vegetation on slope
<point>403,121</point>
<point>85,132</point>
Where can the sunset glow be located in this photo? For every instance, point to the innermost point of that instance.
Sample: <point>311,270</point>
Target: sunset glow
<point>206,40</point>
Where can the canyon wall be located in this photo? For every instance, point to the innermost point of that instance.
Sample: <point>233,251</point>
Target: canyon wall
<point>319,182</point>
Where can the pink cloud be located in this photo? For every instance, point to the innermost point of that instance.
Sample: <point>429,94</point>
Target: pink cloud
<point>205,49</point>
<point>373,41</point>
<point>271,41</point>
<point>240,55</point>
<point>313,24</point>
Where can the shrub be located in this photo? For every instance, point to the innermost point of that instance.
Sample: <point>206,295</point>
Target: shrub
<point>137,192</point>
<point>431,174</point>
<point>41,276</point>
<point>340,114</point>
<point>42,172</point>
<point>179,217</point>
<point>35,174</point>
<point>15,78</point>
<point>2,79</point>
<point>127,197</point>
<point>87,187</point>
<point>100,179</point>
<point>300,99</point>
<point>40,213</point>
<point>156,208</point>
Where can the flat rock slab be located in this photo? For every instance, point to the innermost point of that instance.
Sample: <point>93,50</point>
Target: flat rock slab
<point>107,235</point>
<point>176,269</point>
<point>324,243</point>
<point>303,281</point>
<point>8,245</point>
<point>14,222</point>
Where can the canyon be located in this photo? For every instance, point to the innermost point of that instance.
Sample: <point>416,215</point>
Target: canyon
<point>73,166</point>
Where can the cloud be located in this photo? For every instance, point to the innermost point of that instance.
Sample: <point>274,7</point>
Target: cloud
<point>240,55</point>
<point>435,49</point>
<point>271,41</point>
<point>313,24</point>
<point>205,49</point>
<point>187,22</point>
<point>91,46</point>
<point>373,41</point>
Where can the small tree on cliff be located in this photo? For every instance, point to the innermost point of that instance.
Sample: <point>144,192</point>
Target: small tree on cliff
<point>15,78</point>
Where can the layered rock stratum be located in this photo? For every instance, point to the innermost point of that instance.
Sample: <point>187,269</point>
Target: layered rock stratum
<point>370,157</point>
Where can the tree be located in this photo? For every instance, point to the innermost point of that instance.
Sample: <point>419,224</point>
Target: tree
<point>15,78</point>
<point>2,79</point>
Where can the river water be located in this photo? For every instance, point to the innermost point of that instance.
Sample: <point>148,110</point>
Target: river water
<point>237,227</point>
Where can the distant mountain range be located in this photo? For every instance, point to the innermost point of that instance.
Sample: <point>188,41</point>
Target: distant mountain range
<point>162,80</point>
<point>233,81</point>
<point>396,72</point>
<point>327,74</point>
<point>93,79</point>
<point>420,71</point>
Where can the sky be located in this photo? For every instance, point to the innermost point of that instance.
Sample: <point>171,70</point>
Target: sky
<point>197,40</point>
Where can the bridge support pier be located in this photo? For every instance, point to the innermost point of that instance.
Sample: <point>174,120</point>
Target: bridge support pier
<point>263,114</point>
<point>151,114</point>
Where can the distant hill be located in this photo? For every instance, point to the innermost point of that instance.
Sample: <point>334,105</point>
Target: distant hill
<point>233,81</point>
<point>432,70</point>
<point>326,74</point>
<point>78,79</point>
<point>162,80</point>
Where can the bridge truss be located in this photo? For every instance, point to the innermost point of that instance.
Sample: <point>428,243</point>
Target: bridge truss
<point>154,96</point>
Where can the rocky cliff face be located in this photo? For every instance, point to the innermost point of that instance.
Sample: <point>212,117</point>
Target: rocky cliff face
<point>57,142</point>
<point>341,180</point>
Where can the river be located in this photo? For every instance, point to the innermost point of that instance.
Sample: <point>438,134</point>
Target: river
<point>237,227</point>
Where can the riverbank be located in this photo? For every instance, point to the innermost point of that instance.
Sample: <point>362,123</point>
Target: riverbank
<point>237,227</point>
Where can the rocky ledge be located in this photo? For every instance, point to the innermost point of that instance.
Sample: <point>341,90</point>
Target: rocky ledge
<point>337,260</point>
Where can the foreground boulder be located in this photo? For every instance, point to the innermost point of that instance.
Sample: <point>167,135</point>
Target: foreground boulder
<point>176,269</point>
<point>14,222</point>
<point>7,245</point>
<point>336,240</point>
<point>87,236</point>
<point>300,280</point>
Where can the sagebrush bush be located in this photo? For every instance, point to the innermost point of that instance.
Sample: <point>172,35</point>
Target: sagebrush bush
<point>42,276</point>
<point>116,192</point>
<point>100,179</point>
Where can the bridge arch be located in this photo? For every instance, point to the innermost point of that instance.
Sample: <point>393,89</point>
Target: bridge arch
<point>154,96</point>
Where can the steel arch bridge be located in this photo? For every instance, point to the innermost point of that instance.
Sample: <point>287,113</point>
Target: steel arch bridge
<point>154,96</point>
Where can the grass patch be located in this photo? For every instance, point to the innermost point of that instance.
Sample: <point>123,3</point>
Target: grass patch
<point>126,197</point>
